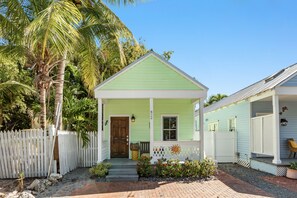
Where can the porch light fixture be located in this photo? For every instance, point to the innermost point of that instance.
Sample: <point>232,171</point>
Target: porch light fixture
<point>283,122</point>
<point>133,118</point>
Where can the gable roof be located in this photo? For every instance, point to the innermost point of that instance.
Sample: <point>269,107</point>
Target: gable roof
<point>161,59</point>
<point>261,86</point>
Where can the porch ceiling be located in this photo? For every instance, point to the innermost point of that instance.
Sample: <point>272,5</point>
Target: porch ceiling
<point>285,98</point>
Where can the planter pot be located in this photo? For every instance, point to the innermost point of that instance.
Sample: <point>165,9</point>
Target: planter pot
<point>291,173</point>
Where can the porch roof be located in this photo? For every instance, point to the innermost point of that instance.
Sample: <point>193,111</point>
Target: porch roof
<point>151,76</point>
<point>267,84</point>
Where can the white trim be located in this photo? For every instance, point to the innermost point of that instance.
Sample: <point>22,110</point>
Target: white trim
<point>177,128</point>
<point>168,64</point>
<point>201,128</point>
<point>165,94</point>
<point>109,144</point>
<point>286,90</point>
<point>99,130</point>
<point>262,95</point>
<point>287,79</point>
<point>151,114</point>
<point>276,130</point>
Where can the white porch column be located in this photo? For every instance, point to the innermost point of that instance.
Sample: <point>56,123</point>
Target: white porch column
<point>151,125</point>
<point>201,128</point>
<point>276,136</point>
<point>99,130</point>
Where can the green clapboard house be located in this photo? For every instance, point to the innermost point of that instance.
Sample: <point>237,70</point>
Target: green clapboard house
<point>150,102</point>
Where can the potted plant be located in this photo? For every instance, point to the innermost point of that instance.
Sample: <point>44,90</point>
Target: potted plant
<point>292,171</point>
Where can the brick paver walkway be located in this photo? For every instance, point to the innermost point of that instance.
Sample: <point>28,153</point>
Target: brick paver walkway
<point>225,186</point>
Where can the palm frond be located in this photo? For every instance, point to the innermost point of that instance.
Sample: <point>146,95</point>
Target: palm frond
<point>55,26</point>
<point>12,88</point>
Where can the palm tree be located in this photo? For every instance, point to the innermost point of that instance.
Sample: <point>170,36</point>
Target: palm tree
<point>214,98</point>
<point>39,31</point>
<point>99,27</point>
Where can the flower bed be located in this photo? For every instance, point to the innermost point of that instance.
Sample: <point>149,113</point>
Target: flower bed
<point>176,169</point>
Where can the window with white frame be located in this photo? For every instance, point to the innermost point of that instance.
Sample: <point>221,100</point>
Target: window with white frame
<point>213,126</point>
<point>169,128</point>
<point>232,124</point>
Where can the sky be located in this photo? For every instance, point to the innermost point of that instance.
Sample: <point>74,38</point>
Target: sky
<point>225,44</point>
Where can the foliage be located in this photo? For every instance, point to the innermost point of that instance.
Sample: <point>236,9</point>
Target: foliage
<point>100,170</point>
<point>144,166</point>
<point>293,165</point>
<point>177,169</point>
<point>20,179</point>
<point>214,98</point>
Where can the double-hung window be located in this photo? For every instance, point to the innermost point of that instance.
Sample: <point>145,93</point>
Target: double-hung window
<point>169,128</point>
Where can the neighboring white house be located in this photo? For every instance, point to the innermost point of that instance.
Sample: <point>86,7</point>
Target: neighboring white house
<point>264,116</point>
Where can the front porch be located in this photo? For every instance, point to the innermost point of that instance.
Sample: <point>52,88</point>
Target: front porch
<point>265,164</point>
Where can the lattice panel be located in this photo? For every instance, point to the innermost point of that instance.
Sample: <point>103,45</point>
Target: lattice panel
<point>244,162</point>
<point>281,171</point>
<point>186,151</point>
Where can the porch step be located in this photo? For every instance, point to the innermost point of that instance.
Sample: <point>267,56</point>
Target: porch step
<point>122,170</point>
<point>119,178</point>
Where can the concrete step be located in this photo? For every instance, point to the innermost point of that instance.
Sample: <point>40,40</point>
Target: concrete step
<point>122,171</point>
<point>119,178</point>
<point>120,166</point>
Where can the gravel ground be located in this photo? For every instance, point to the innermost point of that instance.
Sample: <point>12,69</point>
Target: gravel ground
<point>254,177</point>
<point>71,181</point>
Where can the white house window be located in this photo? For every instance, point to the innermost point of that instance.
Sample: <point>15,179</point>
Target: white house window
<point>169,128</point>
<point>232,124</point>
<point>213,126</point>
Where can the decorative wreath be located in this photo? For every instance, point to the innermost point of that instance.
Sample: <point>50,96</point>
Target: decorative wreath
<point>175,149</point>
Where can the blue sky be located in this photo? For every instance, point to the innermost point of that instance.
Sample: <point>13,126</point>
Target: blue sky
<point>225,44</point>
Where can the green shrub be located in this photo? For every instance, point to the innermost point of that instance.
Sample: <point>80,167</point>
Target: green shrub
<point>173,168</point>
<point>100,170</point>
<point>293,165</point>
<point>144,167</point>
<point>207,168</point>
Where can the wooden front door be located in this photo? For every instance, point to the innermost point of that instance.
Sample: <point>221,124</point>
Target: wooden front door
<point>119,141</point>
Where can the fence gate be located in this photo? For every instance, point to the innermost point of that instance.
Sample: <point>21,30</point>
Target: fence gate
<point>220,146</point>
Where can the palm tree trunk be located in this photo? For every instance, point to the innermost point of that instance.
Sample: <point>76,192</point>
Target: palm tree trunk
<point>42,101</point>
<point>59,87</point>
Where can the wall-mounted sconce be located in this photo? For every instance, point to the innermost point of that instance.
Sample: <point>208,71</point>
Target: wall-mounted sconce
<point>133,118</point>
<point>283,122</point>
<point>106,122</point>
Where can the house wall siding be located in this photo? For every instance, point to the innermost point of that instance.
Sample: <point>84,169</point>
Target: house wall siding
<point>140,130</point>
<point>150,74</point>
<point>291,83</point>
<point>242,113</point>
<point>289,131</point>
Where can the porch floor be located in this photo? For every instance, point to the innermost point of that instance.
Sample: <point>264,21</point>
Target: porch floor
<point>268,160</point>
<point>121,161</point>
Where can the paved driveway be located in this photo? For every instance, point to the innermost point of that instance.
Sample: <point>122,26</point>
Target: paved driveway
<point>78,184</point>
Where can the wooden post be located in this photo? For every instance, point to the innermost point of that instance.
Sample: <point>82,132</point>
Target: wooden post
<point>276,136</point>
<point>201,128</point>
<point>151,125</point>
<point>99,130</point>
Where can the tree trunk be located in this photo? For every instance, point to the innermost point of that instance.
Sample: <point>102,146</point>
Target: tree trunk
<point>59,88</point>
<point>42,100</point>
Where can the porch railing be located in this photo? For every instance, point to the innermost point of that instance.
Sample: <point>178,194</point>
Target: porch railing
<point>169,150</point>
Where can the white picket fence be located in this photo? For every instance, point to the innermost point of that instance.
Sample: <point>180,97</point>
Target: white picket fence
<point>29,151</point>
<point>25,151</point>
<point>88,155</point>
